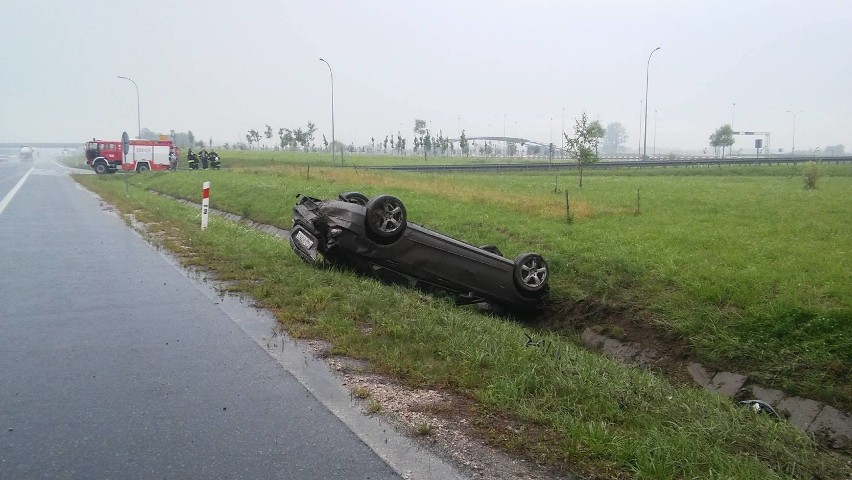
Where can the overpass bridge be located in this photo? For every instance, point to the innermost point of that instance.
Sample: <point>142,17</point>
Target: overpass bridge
<point>517,140</point>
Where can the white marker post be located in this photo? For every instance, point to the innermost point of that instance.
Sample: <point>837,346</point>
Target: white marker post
<point>205,204</point>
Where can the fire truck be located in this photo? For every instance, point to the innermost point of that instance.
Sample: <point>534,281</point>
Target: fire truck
<point>107,156</point>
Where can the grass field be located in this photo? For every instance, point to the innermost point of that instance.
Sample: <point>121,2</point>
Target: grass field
<point>750,269</point>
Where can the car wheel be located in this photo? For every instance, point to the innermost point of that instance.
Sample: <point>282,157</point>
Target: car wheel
<point>492,249</point>
<point>531,273</point>
<point>101,168</point>
<point>142,168</point>
<point>386,217</point>
<point>354,197</point>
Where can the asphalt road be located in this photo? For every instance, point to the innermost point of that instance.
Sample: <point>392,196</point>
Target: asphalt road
<point>115,364</point>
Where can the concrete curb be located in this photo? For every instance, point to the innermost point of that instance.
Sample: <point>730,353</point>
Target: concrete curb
<point>828,425</point>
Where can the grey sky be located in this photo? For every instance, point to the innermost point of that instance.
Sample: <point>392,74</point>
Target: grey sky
<point>221,68</point>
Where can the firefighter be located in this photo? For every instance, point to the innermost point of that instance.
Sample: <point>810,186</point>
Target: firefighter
<point>173,160</point>
<point>215,163</point>
<point>192,160</point>
<point>204,158</point>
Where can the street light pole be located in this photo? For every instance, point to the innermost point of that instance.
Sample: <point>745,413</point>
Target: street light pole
<point>733,110</point>
<point>138,116</point>
<point>647,70</point>
<point>562,138</point>
<point>793,151</point>
<point>639,148</point>
<point>550,147</point>
<point>332,112</point>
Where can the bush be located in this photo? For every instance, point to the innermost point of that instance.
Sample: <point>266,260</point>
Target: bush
<point>813,172</point>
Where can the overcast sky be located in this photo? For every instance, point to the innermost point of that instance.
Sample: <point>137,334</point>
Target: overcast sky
<point>221,68</point>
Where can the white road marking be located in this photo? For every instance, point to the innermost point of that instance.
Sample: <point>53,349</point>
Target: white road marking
<point>54,173</point>
<point>14,190</point>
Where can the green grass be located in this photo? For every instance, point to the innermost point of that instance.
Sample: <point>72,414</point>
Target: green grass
<point>243,158</point>
<point>578,411</point>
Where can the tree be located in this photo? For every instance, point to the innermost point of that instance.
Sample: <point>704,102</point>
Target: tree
<point>268,132</point>
<point>282,136</point>
<point>615,138</point>
<point>191,138</point>
<point>419,127</point>
<point>425,138</point>
<point>427,144</point>
<point>311,129</point>
<point>583,146</point>
<point>596,132</point>
<point>722,137</point>
<point>463,144</point>
<point>511,149</point>
<point>253,136</point>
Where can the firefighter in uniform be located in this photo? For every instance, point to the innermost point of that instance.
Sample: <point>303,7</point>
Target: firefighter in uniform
<point>215,163</point>
<point>204,158</point>
<point>192,160</point>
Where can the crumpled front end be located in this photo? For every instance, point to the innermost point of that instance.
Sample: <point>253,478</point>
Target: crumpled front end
<point>318,225</point>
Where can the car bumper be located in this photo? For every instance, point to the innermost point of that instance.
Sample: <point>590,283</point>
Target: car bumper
<point>304,243</point>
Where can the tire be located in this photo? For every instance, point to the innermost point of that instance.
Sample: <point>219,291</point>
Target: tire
<point>354,197</point>
<point>101,168</point>
<point>142,168</point>
<point>531,273</point>
<point>386,217</point>
<point>492,249</point>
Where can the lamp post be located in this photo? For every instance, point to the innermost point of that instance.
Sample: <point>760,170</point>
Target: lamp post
<point>733,110</point>
<point>639,148</point>
<point>515,133</point>
<point>550,147</point>
<point>562,138</point>
<point>647,70</point>
<point>332,111</point>
<point>793,150</point>
<point>138,117</point>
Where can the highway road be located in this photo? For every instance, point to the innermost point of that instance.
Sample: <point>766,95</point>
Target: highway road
<point>115,363</point>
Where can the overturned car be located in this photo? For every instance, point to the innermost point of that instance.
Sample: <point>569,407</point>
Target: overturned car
<point>375,236</point>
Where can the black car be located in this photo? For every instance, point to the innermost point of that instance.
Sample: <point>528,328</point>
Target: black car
<point>375,236</point>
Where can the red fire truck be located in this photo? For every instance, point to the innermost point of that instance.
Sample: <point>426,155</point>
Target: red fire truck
<point>107,156</point>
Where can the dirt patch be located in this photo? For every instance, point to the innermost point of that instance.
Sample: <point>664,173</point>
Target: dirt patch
<point>662,351</point>
<point>446,423</point>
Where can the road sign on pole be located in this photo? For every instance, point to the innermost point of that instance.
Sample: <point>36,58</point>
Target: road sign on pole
<point>205,204</point>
